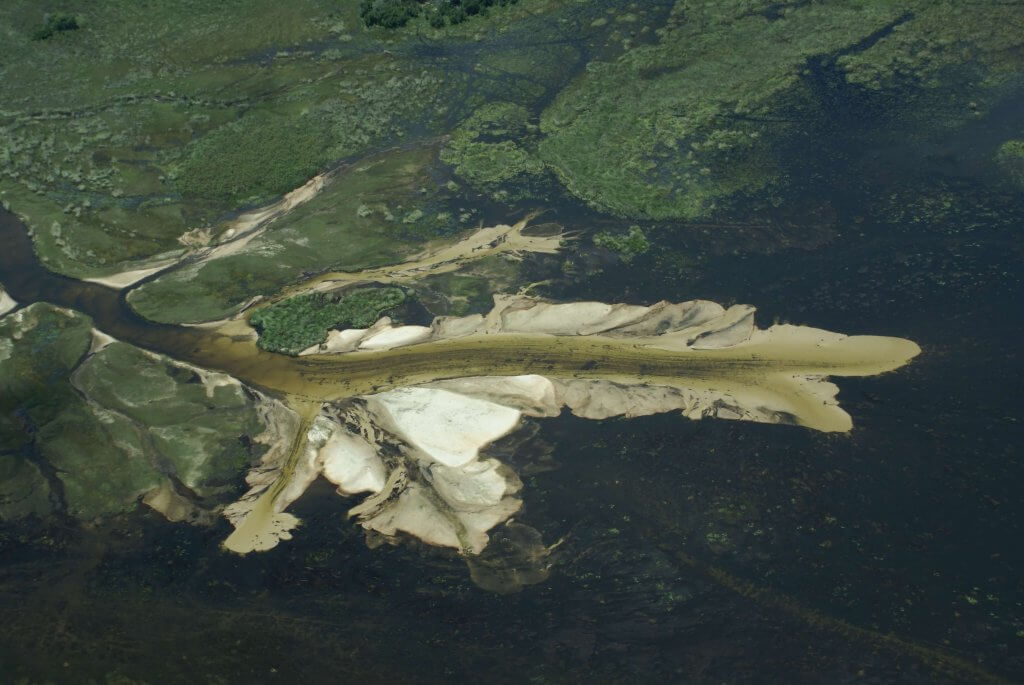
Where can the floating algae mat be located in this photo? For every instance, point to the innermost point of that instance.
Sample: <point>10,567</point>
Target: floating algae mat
<point>405,413</point>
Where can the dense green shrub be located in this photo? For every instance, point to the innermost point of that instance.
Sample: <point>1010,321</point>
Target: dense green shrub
<point>395,13</point>
<point>56,23</point>
<point>253,159</point>
<point>388,13</point>
<point>293,325</point>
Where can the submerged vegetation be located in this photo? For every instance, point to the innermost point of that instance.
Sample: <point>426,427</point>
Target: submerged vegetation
<point>491,150</point>
<point>1010,157</point>
<point>297,323</point>
<point>627,245</point>
<point>714,111</point>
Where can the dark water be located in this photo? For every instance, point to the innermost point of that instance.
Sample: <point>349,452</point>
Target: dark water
<point>694,551</point>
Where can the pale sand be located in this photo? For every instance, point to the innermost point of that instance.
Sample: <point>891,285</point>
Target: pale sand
<point>259,520</point>
<point>696,357</point>
<point>7,303</point>
<point>238,233</point>
<point>440,258</point>
<point>124,279</point>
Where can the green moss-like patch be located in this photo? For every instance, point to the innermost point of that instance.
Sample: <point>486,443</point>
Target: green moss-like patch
<point>100,458</point>
<point>1010,158</point>
<point>295,324</point>
<point>705,116</point>
<point>490,151</point>
<point>627,245</point>
<point>193,426</point>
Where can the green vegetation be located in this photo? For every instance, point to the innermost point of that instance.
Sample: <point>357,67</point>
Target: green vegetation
<point>108,426</point>
<point>490,151</point>
<point>297,323</point>
<point>1010,158</point>
<point>56,23</point>
<point>684,127</point>
<point>388,13</point>
<point>288,152</point>
<point>374,213</point>
<point>674,129</point>
<point>157,120</point>
<point>627,245</point>
<point>395,13</point>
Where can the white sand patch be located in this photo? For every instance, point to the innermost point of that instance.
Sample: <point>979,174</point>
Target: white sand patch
<point>100,340</point>
<point>405,507</point>
<point>475,486</point>
<point>7,303</point>
<point>122,280</point>
<point>395,337</point>
<point>447,427</point>
<point>453,326</point>
<point>351,463</point>
<point>531,394</point>
<point>472,501</point>
<point>337,341</point>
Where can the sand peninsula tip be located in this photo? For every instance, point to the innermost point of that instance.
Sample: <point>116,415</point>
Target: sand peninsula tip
<point>416,443</point>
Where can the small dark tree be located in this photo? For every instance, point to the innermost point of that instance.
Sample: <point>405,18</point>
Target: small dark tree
<point>388,13</point>
<point>54,24</point>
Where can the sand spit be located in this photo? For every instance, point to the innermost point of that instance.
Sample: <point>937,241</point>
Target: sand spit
<point>409,417</point>
<point>120,281</point>
<point>442,258</point>
<point>233,238</point>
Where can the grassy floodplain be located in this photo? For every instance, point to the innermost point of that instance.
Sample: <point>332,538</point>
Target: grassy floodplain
<point>159,120</point>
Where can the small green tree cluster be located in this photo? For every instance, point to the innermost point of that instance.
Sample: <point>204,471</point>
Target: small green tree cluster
<point>388,13</point>
<point>56,23</point>
<point>300,322</point>
<point>395,13</point>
